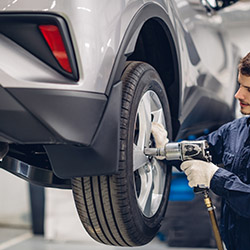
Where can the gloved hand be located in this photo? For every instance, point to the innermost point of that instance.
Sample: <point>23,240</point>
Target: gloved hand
<point>160,136</point>
<point>199,172</point>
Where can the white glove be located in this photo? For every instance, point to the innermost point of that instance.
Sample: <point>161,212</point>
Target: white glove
<point>160,136</point>
<point>199,172</point>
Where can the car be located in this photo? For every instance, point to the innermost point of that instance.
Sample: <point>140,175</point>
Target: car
<point>81,83</point>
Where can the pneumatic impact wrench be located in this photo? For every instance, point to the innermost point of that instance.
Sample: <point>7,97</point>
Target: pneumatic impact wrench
<point>190,150</point>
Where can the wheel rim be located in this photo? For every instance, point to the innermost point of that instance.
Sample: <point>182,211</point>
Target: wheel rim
<point>149,173</point>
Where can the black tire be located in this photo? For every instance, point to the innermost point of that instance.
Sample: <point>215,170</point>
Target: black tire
<point>109,206</point>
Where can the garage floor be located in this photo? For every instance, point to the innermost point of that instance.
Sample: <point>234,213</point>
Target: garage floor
<point>21,239</point>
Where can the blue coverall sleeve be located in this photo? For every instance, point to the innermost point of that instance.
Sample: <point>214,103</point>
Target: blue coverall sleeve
<point>235,192</point>
<point>225,183</point>
<point>215,141</point>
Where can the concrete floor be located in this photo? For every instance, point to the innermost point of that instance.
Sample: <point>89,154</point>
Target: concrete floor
<point>21,239</point>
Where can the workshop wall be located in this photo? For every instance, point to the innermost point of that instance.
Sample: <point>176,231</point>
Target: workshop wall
<point>61,221</point>
<point>15,204</point>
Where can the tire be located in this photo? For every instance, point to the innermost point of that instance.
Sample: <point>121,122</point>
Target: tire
<point>126,209</point>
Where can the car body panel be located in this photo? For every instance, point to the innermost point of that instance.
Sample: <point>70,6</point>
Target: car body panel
<point>104,34</point>
<point>96,39</point>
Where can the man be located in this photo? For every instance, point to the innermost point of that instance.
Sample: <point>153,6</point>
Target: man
<point>229,145</point>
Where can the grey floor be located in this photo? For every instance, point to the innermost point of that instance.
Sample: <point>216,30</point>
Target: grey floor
<point>21,239</point>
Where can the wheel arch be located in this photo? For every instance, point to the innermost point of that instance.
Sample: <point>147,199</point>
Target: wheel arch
<point>141,43</point>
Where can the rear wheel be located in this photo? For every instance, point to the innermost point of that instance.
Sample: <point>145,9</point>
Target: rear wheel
<point>126,209</point>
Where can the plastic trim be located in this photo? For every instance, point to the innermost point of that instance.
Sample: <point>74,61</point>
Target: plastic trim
<point>34,175</point>
<point>102,156</point>
<point>147,12</point>
<point>70,116</point>
<point>23,29</point>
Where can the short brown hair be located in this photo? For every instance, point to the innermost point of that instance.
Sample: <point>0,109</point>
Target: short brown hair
<point>244,66</point>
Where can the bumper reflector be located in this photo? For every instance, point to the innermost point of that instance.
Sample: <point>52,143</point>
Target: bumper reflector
<point>54,39</point>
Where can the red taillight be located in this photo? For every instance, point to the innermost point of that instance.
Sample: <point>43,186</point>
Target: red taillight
<point>54,39</point>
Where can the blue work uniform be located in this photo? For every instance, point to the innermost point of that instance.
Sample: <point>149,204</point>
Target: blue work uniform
<point>230,145</point>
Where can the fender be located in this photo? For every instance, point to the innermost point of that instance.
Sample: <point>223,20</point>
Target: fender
<point>148,11</point>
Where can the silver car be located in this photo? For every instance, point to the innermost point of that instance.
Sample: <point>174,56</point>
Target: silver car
<point>82,81</point>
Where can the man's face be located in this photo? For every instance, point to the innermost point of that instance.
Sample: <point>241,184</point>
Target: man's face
<point>243,94</point>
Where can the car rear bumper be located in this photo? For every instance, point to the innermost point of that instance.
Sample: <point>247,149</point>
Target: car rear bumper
<point>79,130</point>
<point>36,116</point>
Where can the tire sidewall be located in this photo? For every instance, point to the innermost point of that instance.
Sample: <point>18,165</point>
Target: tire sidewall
<point>149,80</point>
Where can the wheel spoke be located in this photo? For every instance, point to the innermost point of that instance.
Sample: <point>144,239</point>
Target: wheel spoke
<point>146,191</point>
<point>146,102</point>
<point>139,159</point>
<point>158,116</point>
<point>142,128</point>
<point>159,176</point>
<point>148,205</point>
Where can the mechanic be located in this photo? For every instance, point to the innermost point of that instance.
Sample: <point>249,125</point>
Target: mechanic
<point>229,145</point>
